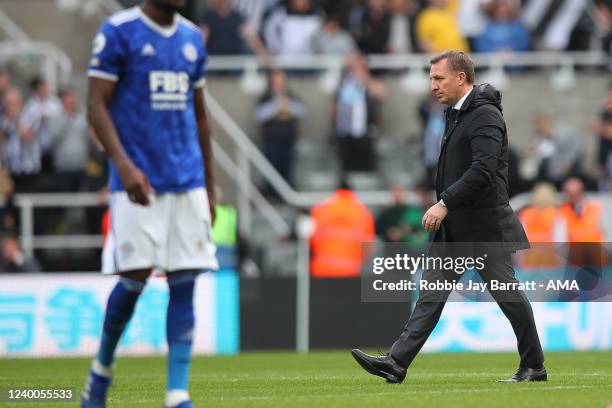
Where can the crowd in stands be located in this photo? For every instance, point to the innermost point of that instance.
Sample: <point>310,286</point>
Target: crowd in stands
<point>278,113</point>
<point>355,28</point>
<point>46,145</point>
<point>308,27</point>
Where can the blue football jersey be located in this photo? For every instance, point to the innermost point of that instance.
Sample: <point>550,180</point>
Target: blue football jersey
<point>156,69</point>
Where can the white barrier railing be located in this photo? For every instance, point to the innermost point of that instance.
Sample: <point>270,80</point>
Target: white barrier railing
<point>421,61</point>
<point>247,148</point>
<point>26,204</point>
<point>56,66</point>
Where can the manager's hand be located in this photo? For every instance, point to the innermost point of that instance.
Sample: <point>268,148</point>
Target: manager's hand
<point>434,216</point>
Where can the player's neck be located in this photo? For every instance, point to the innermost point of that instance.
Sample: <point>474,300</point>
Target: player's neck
<point>161,16</point>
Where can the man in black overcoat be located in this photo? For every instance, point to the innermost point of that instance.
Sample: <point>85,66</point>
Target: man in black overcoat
<point>473,209</point>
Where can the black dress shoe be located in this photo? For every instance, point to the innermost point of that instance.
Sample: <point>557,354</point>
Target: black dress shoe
<point>527,374</point>
<point>382,366</point>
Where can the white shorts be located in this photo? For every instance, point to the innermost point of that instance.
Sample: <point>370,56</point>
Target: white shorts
<point>172,233</point>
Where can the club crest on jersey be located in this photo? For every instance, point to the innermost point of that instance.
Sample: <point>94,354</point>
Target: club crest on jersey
<point>169,90</point>
<point>99,42</point>
<point>190,52</point>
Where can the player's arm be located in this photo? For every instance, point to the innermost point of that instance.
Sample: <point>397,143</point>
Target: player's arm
<point>101,92</point>
<point>206,147</point>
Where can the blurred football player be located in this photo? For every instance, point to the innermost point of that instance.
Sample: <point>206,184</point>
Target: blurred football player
<point>146,105</point>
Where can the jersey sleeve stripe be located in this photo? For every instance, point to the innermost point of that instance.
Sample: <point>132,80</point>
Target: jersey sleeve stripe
<point>200,83</point>
<point>95,73</point>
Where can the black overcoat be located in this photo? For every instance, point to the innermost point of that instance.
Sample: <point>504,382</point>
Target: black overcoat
<point>472,176</point>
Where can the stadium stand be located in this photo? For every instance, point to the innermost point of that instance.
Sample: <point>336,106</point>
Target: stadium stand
<point>315,168</point>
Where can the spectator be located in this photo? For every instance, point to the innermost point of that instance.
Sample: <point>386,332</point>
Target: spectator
<point>402,30</point>
<point>341,225</point>
<point>389,227</point>
<point>333,39</point>
<point>542,219</point>
<point>373,36</point>
<point>21,147</point>
<point>253,11</point>
<point>37,112</point>
<point>555,150</point>
<point>13,258</point>
<point>544,223</point>
<point>8,211</point>
<point>70,143</point>
<point>289,29</point>
<point>433,123</point>
<point>279,112</point>
<point>503,32</point>
<point>472,19</point>
<point>559,25</point>
<point>355,17</point>
<point>516,183</point>
<point>602,128</point>
<point>583,218</point>
<point>225,29</point>
<point>438,29</point>
<point>341,9</point>
<point>401,222</point>
<point>603,14</point>
<point>5,84</point>
<point>355,115</point>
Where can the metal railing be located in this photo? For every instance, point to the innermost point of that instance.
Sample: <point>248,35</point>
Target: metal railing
<point>247,155</point>
<point>248,189</point>
<point>239,171</point>
<point>11,29</point>
<point>26,204</point>
<point>56,66</point>
<point>594,58</point>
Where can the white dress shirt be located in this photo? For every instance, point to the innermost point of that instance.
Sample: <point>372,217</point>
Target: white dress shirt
<point>459,104</point>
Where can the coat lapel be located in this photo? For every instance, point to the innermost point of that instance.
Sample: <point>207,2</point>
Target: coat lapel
<point>452,125</point>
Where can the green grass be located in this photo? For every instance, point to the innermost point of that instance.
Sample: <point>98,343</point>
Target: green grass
<point>333,379</point>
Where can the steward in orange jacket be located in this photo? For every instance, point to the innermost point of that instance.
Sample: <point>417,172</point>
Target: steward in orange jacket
<point>584,219</point>
<point>544,224</point>
<point>342,224</point>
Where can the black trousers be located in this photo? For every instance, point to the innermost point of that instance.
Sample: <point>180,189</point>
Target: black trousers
<point>513,303</point>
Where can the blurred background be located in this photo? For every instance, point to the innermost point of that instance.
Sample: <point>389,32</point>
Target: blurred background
<point>325,137</point>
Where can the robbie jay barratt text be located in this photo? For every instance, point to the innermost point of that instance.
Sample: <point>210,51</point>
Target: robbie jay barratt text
<point>495,285</point>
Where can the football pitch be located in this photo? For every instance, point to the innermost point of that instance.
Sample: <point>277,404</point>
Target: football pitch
<point>332,379</point>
